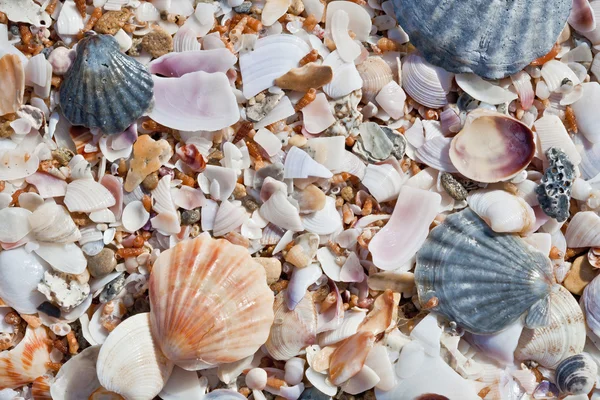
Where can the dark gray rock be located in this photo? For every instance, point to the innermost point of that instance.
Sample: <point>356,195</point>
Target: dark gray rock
<point>453,187</point>
<point>554,191</point>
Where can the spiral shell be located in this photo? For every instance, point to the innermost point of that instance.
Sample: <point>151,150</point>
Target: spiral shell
<point>576,374</point>
<point>375,73</point>
<point>210,303</point>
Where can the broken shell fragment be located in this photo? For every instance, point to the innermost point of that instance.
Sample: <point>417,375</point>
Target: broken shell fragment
<point>27,361</point>
<point>12,82</point>
<point>576,374</point>
<point>148,156</point>
<point>348,359</point>
<point>306,77</point>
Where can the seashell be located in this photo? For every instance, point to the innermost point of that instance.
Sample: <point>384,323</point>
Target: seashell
<point>130,362</point>
<point>359,19</point>
<point>383,315</point>
<point>147,12</point>
<point>61,60</point>
<point>317,115</point>
<point>167,221</point>
<point>303,251</point>
<point>272,57</point>
<point>582,17</point>
<point>590,305</point>
<point>14,224</point>
<point>186,40</point>
<point>85,195</point>
<point>189,268</point>
<point>228,218</point>
<point>583,230</point>
<point>347,48</point>
<point>435,152</point>
<point>450,121</point>
<point>364,380</point>
<point>148,156</point>
<point>425,83</point>
<point>223,394</point>
<point>555,73</point>
<point>134,216</point>
<point>306,77</point>
<point>499,346</point>
<point>12,81</point>
<point>324,221</point>
<point>482,90</point>
<point>63,257</point>
<point>391,99</point>
<point>115,79</point>
<point>587,118</point>
<point>47,185</point>
<point>292,330</point>
<point>327,151</point>
<point>20,273</point>
<point>349,357</point>
<point>346,78</point>
<point>552,133</point>
<point>26,11</point>
<point>528,274</point>
<point>375,74</point>
<point>383,181</point>
<point>178,64</point>
<point>502,211</point>
<point>77,378</point>
<point>52,223</point>
<point>299,283</point>
<point>38,74</point>
<point>183,384</point>
<point>273,10</point>
<point>554,190</point>
<point>279,211</point>
<point>298,164</point>
<point>563,337</point>
<point>576,374</point>
<point>194,101</point>
<point>379,361</point>
<point>398,241</point>
<point>522,83</point>
<point>492,147</point>
<point>69,20</point>
<point>348,327</point>
<point>41,388</point>
<point>271,143</point>
<point>464,38</point>
<point>27,361</point>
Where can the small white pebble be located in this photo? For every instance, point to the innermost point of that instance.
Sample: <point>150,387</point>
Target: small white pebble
<point>256,378</point>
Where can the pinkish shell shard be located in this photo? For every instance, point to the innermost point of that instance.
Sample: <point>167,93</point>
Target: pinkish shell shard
<point>582,16</point>
<point>179,64</point>
<point>348,359</point>
<point>195,101</point>
<point>317,115</point>
<point>492,147</point>
<point>27,361</point>
<point>12,81</point>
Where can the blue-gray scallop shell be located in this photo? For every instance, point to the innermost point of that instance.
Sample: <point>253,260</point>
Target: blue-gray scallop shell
<point>576,374</point>
<point>482,280</point>
<point>105,88</point>
<point>492,38</point>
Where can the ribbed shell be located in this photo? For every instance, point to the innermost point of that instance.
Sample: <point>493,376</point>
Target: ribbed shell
<point>493,38</point>
<point>104,88</point>
<point>40,390</point>
<point>27,361</point>
<point>375,73</point>
<point>210,303</point>
<point>12,82</point>
<point>563,337</point>
<point>482,280</point>
<point>425,83</point>
<point>576,374</point>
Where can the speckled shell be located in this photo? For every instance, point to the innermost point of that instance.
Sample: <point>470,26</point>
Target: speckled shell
<point>482,280</point>
<point>576,374</point>
<point>493,38</point>
<point>104,88</point>
<point>210,303</point>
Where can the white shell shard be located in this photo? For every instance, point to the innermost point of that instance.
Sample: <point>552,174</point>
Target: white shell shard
<point>582,16</point>
<point>425,83</point>
<point>551,132</point>
<point>360,21</point>
<point>147,12</point>
<point>383,181</point>
<point>178,64</point>
<point>47,185</point>
<point>325,221</point>
<point>225,178</point>
<point>555,72</point>
<point>188,198</point>
<point>185,40</point>
<point>379,361</point>
<point>499,346</point>
<point>130,362</point>
<point>26,11</point>
<point>502,211</point>
<point>272,57</point>
<point>583,230</point>
<point>317,115</point>
<point>69,20</point>
<point>366,379</point>
<point>435,152</point>
<point>167,220</point>
<point>279,211</point>
<point>87,195</point>
<point>273,10</point>
<point>346,47</point>
<point>391,98</point>
<point>407,229</point>
<point>522,82</point>
<point>298,164</point>
<point>346,78</point>
<point>134,216</point>
<point>20,273</point>
<point>195,101</point>
<point>17,164</point>
<point>182,385</point>
<point>77,378</point>
<point>327,151</point>
<point>482,90</point>
<point>14,224</point>
<point>228,218</point>
<point>281,111</point>
<point>585,109</point>
<point>67,258</point>
<point>271,143</point>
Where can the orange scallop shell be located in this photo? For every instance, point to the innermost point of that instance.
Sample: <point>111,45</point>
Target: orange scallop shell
<point>40,390</point>
<point>27,361</point>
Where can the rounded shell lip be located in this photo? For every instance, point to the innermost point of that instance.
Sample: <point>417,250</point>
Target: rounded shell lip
<point>486,48</point>
<point>105,88</point>
<point>492,147</point>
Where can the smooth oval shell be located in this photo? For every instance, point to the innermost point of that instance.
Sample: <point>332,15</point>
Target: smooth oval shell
<point>210,303</point>
<point>77,378</point>
<point>104,88</point>
<point>492,147</point>
<point>576,374</point>
<point>20,273</point>
<point>465,36</point>
<point>482,280</point>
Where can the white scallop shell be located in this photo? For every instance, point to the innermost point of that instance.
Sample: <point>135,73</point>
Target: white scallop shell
<point>584,230</point>
<point>375,74</point>
<point>426,84</point>
<point>279,211</point>
<point>87,195</point>
<point>229,217</point>
<point>52,223</point>
<point>346,78</point>
<point>298,164</point>
<point>502,211</point>
<point>185,40</point>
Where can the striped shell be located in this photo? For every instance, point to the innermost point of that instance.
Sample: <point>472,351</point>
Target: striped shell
<point>40,390</point>
<point>27,361</point>
<point>576,374</point>
<point>480,279</point>
<point>12,82</point>
<point>104,88</point>
<point>210,303</point>
<point>466,36</point>
<point>375,73</point>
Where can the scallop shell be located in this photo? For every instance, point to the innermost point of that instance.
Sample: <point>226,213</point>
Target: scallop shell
<point>217,286</point>
<point>576,374</point>
<point>40,390</point>
<point>481,280</point>
<point>424,82</point>
<point>130,362</point>
<point>463,36</point>
<point>492,147</point>
<point>52,223</point>
<point>375,73</point>
<point>77,378</point>
<point>104,88</point>
<point>27,361</point>
<point>563,337</point>
<point>12,82</point>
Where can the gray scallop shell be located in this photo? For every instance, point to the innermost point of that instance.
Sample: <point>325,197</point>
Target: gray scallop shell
<point>492,38</point>
<point>576,374</point>
<point>104,88</point>
<point>482,280</point>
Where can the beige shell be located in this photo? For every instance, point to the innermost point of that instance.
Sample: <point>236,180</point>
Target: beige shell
<point>348,359</point>
<point>12,82</point>
<point>40,390</point>
<point>564,337</point>
<point>375,73</point>
<point>210,303</point>
<point>304,250</point>
<point>27,361</point>
<point>51,222</point>
<point>292,330</point>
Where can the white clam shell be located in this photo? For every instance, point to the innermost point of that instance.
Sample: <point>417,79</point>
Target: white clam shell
<point>585,111</point>
<point>324,221</point>
<point>17,164</point>
<point>38,74</point>
<point>279,211</point>
<point>391,99</point>
<point>551,132</point>
<point>502,211</point>
<point>87,195</point>
<point>20,273</point>
<point>346,78</point>
<point>555,72</point>
<point>485,91</point>
<point>229,217</point>
<point>271,143</point>
<point>426,84</point>
<point>383,181</point>
<point>67,257</point>
<point>298,164</point>
<point>69,20</point>
<point>591,305</point>
<point>130,362</point>
<point>584,230</point>
<point>14,224</point>
<point>435,152</point>
<point>77,378</point>
<point>134,216</point>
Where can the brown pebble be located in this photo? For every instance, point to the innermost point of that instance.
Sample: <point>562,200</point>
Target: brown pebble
<point>239,192</point>
<point>157,43</point>
<point>348,193</point>
<point>150,182</point>
<point>111,21</point>
<point>147,202</point>
<point>580,274</point>
<point>129,252</point>
<point>272,267</point>
<point>102,263</point>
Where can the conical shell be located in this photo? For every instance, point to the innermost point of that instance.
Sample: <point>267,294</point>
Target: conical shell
<point>576,374</point>
<point>27,361</point>
<point>466,36</point>
<point>104,88</point>
<point>375,73</point>
<point>563,337</point>
<point>210,303</point>
<point>12,82</point>
<point>130,362</point>
<point>480,279</point>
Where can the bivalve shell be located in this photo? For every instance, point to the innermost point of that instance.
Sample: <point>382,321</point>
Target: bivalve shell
<point>87,195</point>
<point>576,374</point>
<point>375,74</point>
<point>27,361</point>
<point>502,211</point>
<point>425,83</point>
<point>584,230</point>
<point>77,378</point>
<point>52,223</point>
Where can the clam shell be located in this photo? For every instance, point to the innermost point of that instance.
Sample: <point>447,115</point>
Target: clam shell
<point>130,362</point>
<point>502,211</point>
<point>77,378</point>
<point>12,82</point>
<point>425,83</point>
<point>87,195</point>
<point>52,223</point>
<point>584,230</point>
<point>27,361</point>
<point>210,303</point>
<point>492,147</point>
<point>375,74</point>
<point>563,337</point>
<point>20,273</point>
<point>461,36</point>
<point>481,280</point>
<point>104,88</point>
<point>591,307</point>
<point>576,374</point>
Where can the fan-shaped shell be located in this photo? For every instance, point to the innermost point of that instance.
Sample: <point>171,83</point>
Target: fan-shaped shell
<point>104,88</point>
<point>77,378</point>
<point>424,82</point>
<point>27,361</point>
<point>563,337</point>
<point>576,374</point>
<point>481,280</point>
<point>210,303</point>
<point>466,35</point>
<point>375,74</point>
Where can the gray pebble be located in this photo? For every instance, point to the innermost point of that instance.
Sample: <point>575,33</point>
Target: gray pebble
<point>102,263</point>
<point>190,217</point>
<point>453,187</point>
<point>112,289</point>
<point>554,190</point>
<point>243,8</point>
<point>260,109</point>
<point>313,393</point>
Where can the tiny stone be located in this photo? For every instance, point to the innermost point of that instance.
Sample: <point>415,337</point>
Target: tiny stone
<point>272,267</point>
<point>151,181</point>
<point>297,140</point>
<point>102,263</point>
<point>243,8</point>
<point>157,43</point>
<point>5,129</point>
<point>190,217</point>
<point>111,21</point>
<point>62,155</point>
<point>263,106</point>
<point>112,289</point>
<point>239,192</point>
<point>296,7</point>
<point>580,275</point>
<point>348,194</point>
<point>136,47</point>
<point>554,190</point>
<point>453,187</point>
<point>49,309</point>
